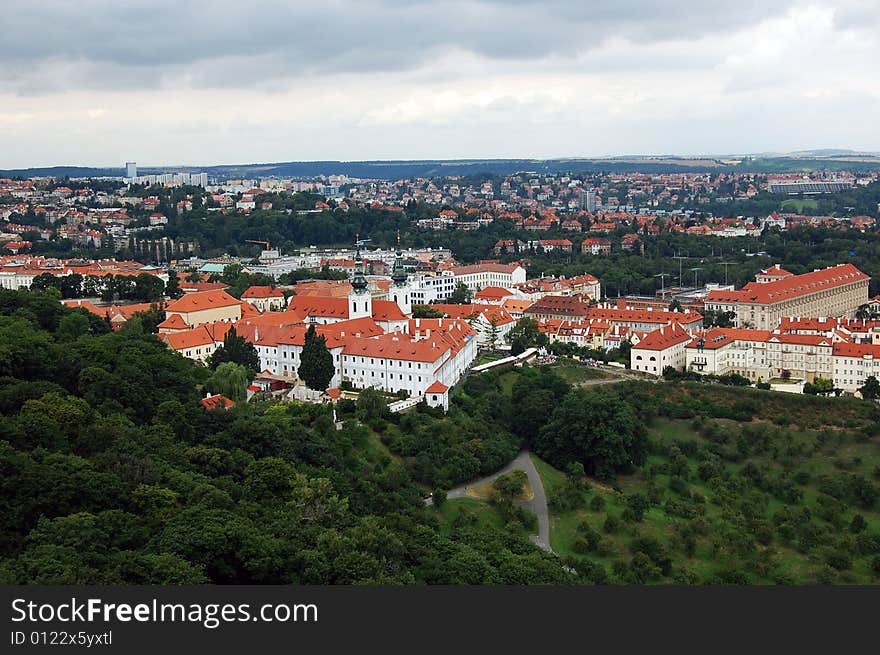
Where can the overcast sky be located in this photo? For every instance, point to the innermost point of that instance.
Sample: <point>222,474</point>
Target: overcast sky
<point>209,82</point>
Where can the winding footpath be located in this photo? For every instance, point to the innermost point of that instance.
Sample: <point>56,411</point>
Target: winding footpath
<point>538,503</point>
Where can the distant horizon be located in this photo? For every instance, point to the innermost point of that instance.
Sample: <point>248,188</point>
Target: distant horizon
<point>808,153</point>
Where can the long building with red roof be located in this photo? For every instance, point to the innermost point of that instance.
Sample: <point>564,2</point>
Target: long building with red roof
<point>836,291</point>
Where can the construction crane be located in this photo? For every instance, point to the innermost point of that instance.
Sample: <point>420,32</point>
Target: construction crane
<point>265,243</point>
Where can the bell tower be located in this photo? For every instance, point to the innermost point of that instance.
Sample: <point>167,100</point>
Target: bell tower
<point>401,293</point>
<point>360,302</point>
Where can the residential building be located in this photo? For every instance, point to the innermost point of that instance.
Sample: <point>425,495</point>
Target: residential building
<point>203,307</point>
<point>854,363</point>
<point>490,274</point>
<point>663,347</point>
<point>264,298</point>
<point>596,246</point>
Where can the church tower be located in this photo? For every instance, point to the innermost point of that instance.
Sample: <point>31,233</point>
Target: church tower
<point>360,302</point>
<point>401,293</point>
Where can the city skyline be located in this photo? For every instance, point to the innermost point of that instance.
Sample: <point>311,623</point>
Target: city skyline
<point>186,85</point>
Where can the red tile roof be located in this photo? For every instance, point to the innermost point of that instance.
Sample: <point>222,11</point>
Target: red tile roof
<point>790,287</point>
<point>845,349</point>
<point>262,292</point>
<point>173,322</point>
<point>398,347</point>
<point>717,337</point>
<point>664,337</point>
<point>492,293</point>
<point>186,339</point>
<point>201,300</point>
<point>437,387</point>
<point>643,316</point>
<point>484,268</point>
<point>215,402</point>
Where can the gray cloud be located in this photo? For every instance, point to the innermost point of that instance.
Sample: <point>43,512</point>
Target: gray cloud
<point>57,44</point>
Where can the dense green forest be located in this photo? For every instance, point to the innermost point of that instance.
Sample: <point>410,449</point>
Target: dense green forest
<point>112,472</point>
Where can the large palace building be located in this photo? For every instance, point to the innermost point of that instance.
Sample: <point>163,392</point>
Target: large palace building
<point>836,291</point>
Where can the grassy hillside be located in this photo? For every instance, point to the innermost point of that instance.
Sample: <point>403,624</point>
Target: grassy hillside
<point>738,487</point>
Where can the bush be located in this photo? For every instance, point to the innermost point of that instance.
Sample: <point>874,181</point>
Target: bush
<point>611,525</point>
<point>511,485</point>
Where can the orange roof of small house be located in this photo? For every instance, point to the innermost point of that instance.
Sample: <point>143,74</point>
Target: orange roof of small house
<point>664,337</point>
<point>493,293</point>
<point>437,387</point>
<point>262,292</point>
<point>217,401</point>
<point>193,338</point>
<point>173,322</point>
<point>200,301</point>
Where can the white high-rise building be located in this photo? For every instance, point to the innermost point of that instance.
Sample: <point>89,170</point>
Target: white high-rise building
<point>587,200</point>
<point>131,169</point>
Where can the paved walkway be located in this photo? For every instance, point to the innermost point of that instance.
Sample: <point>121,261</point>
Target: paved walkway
<point>538,503</point>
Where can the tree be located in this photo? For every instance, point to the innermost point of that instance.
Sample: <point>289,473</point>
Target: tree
<point>493,331</point>
<point>596,428</point>
<point>316,368</point>
<point>172,289</point>
<point>461,295</point>
<point>525,334</point>
<point>867,312</point>
<point>371,404</point>
<point>237,350</point>
<point>511,485</point>
<point>73,326</point>
<point>151,318</point>
<point>713,318</point>
<point>426,311</point>
<point>230,273</point>
<point>819,386</point>
<point>147,288</point>
<point>871,389</point>
<point>231,380</point>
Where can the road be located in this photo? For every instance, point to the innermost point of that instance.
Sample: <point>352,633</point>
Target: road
<point>538,503</point>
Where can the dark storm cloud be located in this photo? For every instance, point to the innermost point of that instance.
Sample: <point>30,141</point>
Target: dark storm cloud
<point>86,44</point>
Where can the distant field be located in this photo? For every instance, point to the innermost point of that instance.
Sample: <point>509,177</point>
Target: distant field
<point>575,373</point>
<point>799,204</point>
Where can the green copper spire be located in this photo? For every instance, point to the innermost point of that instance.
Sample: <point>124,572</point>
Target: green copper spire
<point>358,280</point>
<point>398,275</point>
